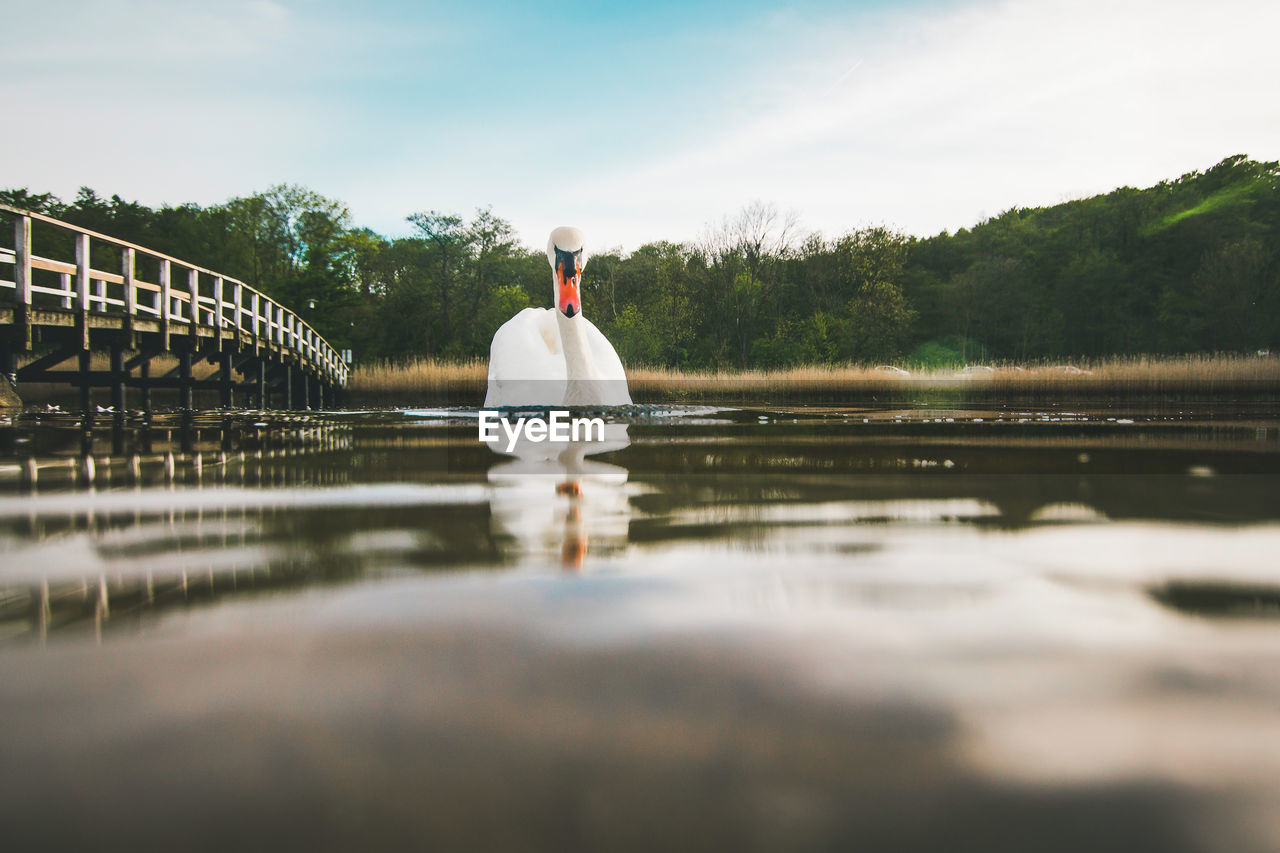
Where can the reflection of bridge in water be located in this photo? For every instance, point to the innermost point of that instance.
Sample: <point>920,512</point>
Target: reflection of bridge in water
<point>230,451</point>
<point>181,516</point>
<point>65,308</point>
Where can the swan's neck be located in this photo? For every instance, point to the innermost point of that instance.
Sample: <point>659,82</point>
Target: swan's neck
<point>580,368</point>
<point>577,351</point>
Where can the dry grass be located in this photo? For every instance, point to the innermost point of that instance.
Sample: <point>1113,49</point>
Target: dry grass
<point>1146,374</point>
<point>1142,377</point>
<point>420,381</point>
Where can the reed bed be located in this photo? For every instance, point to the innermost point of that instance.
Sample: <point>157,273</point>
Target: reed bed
<point>410,383</point>
<point>1180,377</point>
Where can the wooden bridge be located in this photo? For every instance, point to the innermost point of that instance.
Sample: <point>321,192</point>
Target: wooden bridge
<point>64,310</point>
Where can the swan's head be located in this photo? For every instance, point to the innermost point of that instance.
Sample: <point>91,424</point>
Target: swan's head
<point>567,259</point>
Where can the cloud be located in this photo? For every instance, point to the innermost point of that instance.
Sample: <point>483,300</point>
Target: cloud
<point>152,35</point>
<point>925,118</point>
<point>170,102</point>
<point>930,122</point>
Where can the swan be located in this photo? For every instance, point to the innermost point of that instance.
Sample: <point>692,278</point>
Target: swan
<point>555,356</point>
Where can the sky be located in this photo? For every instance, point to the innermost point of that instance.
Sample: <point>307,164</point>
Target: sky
<point>636,124</point>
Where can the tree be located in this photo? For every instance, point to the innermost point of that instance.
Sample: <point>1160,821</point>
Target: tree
<point>1237,287</point>
<point>742,254</point>
<point>490,241</point>
<point>46,203</point>
<point>869,265</point>
<point>447,243</point>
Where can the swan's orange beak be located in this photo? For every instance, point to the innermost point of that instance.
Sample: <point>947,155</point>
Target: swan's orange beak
<point>568,300</point>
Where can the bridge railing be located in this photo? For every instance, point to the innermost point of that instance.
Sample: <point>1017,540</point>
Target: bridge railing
<point>183,295</point>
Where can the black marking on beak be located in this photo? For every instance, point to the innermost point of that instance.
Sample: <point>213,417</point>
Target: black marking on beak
<point>567,262</point>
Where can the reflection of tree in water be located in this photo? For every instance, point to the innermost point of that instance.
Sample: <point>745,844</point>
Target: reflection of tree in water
<point>1217,599</point>
<point>550,502</point>
<point>1149,473</point>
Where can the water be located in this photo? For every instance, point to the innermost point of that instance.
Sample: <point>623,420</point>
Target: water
<point>734,629</point>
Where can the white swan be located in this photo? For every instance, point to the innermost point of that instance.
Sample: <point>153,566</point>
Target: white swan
<point>552,357</point>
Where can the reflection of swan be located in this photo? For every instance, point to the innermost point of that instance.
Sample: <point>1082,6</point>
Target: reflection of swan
<point>551,500</point>
<point>556,356</point>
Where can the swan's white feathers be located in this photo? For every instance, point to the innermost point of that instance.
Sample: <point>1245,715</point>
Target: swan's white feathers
<point>547,329</point>
<point>608,365</point>
<point>528,365</point>
<point>525,361</point>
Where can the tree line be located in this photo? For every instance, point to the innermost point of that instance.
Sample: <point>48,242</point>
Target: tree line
<point>1189,265</point>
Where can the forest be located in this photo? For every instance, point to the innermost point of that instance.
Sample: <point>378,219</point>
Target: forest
<point>1190,265</point>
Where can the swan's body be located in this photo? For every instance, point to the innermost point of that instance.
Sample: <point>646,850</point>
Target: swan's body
<point>552,357</point>
<point>529,363</point>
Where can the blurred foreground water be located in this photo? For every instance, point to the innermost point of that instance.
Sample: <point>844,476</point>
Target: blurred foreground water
<point>732,629</point>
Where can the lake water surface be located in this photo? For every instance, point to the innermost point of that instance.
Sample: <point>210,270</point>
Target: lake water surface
<point>811,628</point>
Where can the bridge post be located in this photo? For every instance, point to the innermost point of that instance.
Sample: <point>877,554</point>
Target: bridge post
<point>193,287</point>
<point>22,278</point>
<point>166,298</point>
<point>86,399</point>
<point>100,293</point>
<point>128,269</point>
<point>237,296</point>
<point>117,378</point>
<point>288,387</point>
<point>144,383</point>
<point>261,380</point>
<point>184,376</point>
<point>224,377</point>
<point>254,304</point>
<point>217,319</point>
<point>82,293</point>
